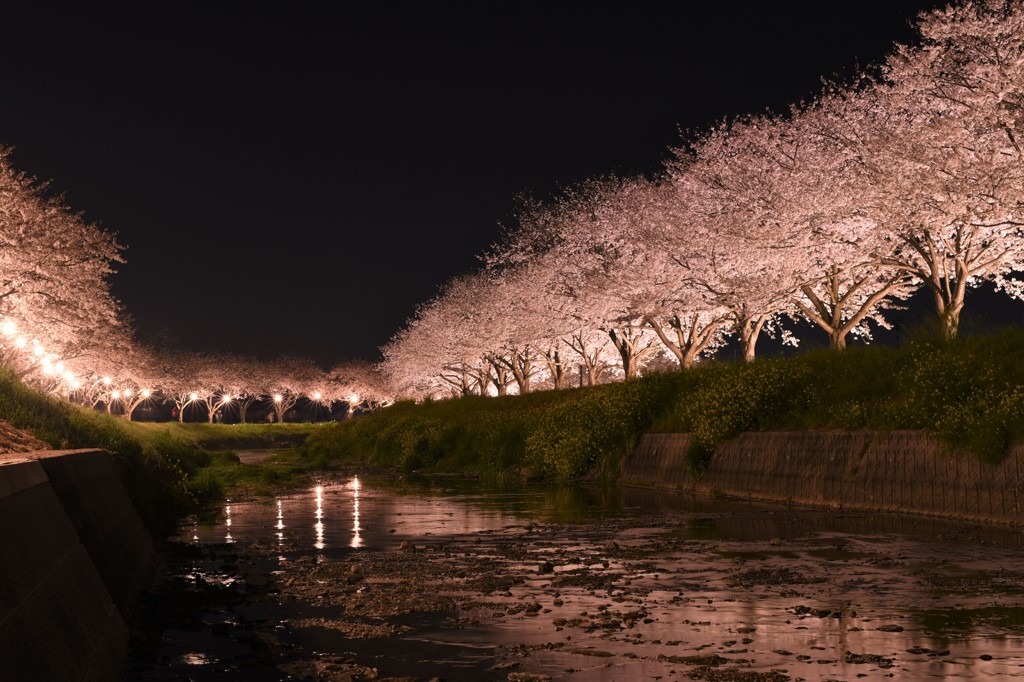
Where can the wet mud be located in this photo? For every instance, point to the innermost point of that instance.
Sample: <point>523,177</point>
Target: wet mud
<point>736,593</point>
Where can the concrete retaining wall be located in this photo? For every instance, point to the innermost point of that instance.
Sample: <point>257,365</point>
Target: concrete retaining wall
<point>898,471</point>
<point>74,558</point>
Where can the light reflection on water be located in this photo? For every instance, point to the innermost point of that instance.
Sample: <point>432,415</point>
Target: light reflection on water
<point>357,539</point>
<point>350,516</point>
<point>354,515</point>
<point>227,523</point>
<point>878,571</point>
<point>319,525</point>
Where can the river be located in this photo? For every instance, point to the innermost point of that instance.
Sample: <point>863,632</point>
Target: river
<point>440,579</point>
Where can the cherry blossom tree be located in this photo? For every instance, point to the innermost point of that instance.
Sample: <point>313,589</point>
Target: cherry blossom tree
<point>245,379</point>
<point>739,249</point>
<point>939,136</point>
<point>53,268</point>
<point>636,279</point>
<point>200,379</point>
<point>142,374</point>
<point>287,380</point>
<point>359,383</point>
<point>185,376</point>
<point>440,351</point>
<point>579,233</point>
<point>794,177</point>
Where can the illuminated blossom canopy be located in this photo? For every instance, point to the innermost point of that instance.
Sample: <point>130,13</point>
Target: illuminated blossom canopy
<point>833,213</point>
<point>907,178</point>
<point>53,277</point>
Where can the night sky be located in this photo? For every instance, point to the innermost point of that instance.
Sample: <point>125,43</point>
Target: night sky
<point>294,179</point>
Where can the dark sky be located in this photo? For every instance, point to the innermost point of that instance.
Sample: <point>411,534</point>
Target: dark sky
<point>291,178</point>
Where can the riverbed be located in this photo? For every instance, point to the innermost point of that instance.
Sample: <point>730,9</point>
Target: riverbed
<point>441,579</point>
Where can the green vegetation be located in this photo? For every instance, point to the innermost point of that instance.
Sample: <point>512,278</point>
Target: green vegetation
<point>231,437</point>
<point>970,392</point>
<point>169,469</point>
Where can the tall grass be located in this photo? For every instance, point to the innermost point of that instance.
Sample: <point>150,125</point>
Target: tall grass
<point>969,392</point>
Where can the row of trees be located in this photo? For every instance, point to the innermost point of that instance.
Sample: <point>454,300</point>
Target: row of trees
<point>63,332</point>
<point>195,383</point>
<point>909,178</point>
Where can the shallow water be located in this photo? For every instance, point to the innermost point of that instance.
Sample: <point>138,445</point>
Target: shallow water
<point>635,584</point>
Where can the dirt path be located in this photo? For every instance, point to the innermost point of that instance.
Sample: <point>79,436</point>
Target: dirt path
<point>254,456</point>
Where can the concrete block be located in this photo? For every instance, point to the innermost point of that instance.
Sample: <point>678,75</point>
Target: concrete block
<point>57,619</point>
<point>106,522</point>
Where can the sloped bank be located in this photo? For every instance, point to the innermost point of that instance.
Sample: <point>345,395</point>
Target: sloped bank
<point>75,559</point>
<point>892,471</point>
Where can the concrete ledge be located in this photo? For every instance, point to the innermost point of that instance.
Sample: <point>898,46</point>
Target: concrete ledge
<point>75,559</point>
<point>107,523</point>
<point>897,471</point>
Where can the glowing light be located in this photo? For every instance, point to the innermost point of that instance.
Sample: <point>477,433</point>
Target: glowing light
<point>69,376</point>
<point>116,395</point>
<point>146,393</point>
<point>127,393</point>
<point>317,395</point>
<point>278,397</point>
<point>107,381</point>
<point>353,399</point>
<point>9,328</point>
<point>76,384</point>
<point>225,398</point>
<point>59,367</point>
<point>20,342</point>
<point>193,396</point>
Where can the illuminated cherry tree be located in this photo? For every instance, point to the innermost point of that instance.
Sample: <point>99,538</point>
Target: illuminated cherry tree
<point>200,379</point>
<point>571,242</point>
<point>53,269</point>
<point>139,379</point>
<point>942,169</point>
<point>360,384</point>
<point>439,352</point>
<point>286,380</point>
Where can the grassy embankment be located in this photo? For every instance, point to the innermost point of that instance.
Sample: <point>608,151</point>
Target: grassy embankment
<point>169,469</point>
<point>970,392</point>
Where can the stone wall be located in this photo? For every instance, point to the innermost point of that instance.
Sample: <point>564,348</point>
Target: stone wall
<point>74,559</point>
<point>898,471</point>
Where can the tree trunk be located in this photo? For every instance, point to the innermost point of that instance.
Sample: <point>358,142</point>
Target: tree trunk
<point>554,362</point>
<point>625,349</point>
<point>750,331</point>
